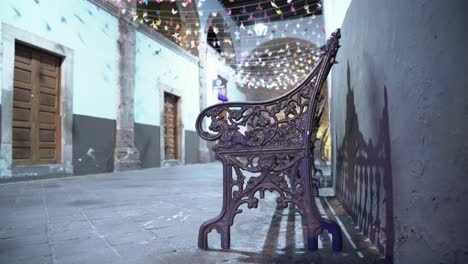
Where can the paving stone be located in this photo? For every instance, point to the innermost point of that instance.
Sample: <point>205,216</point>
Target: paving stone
<point>70,230</point>
<point>199,256</point>
<point>115,225</point>
<point>129,212</point>
<point>35,260</point>
<point>71,216</point>
<point>93,256</point>
<point>26,260</point>
<point>75,247</point>
<point>23,252</point>
<point>144,218</point>
<point>183,242</point>
<point>18,228</point>
<point>126,238</point>
<point>101,213</point>
<point>28,240</point>
<point>144,252</point>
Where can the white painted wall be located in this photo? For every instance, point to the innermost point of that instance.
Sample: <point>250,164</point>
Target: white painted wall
<point>215,66</point>
<point>164,68</point>
<point>334,12</point>
<point>401,103</point>
<point>90,32</point>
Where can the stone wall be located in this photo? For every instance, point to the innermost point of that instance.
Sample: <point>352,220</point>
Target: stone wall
<point>399,115</point>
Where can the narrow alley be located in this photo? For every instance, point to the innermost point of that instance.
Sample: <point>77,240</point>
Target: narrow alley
<point>233,131</point>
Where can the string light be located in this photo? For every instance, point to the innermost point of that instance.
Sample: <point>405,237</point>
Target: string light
<point>269,66</point>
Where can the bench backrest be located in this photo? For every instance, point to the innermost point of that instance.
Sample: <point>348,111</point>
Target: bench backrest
<point>289,121</point>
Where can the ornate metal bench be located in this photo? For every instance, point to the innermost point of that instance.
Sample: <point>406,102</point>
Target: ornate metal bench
<point>269,146</point>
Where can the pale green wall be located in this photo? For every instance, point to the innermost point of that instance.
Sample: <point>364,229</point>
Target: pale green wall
<point>92,35</point>
<point>90,32</point>
<point>166,68</point>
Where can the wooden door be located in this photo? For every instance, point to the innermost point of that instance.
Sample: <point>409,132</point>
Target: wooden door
<point>36,119</point>
<point>171,127</point>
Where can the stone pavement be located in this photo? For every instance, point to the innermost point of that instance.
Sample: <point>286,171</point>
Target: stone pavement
<point>153,216</point>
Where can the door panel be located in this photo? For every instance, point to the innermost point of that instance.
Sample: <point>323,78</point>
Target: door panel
<point>36,113</point>
<point>22,105</point>
<point>171,145</point>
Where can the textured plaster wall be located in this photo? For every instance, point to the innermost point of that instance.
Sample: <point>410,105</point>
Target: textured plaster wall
<point>90,32</point>
<point>400,111</point>
<point>334,12</point>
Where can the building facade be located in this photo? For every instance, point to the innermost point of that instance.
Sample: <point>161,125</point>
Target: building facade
<point>84,89</point>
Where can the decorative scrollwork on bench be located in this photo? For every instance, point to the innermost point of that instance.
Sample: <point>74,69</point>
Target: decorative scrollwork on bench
<point>277,123</point>
<point>268,174</point>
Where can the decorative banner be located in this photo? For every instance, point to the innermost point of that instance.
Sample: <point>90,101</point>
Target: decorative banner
<point>220,85</point>
<point>222,97</point>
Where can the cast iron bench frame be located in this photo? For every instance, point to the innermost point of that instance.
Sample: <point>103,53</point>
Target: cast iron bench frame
<point>271,144</point>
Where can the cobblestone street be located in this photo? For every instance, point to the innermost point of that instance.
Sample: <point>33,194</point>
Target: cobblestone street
<point>153,216</point>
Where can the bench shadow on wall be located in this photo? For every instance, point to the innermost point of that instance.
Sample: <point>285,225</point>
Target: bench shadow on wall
<point>364,174</point>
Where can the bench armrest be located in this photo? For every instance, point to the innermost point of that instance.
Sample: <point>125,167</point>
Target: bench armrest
<point>214,113</point>
<point>254,124</point>
<point>239,124</point>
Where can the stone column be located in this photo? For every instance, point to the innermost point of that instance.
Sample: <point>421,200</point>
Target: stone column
<point>204,152</point>
<point>187,17</point>
<point>126,156</point>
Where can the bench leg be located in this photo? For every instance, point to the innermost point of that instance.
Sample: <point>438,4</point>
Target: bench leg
<point>312,240</point>
<point>312,234</point>
<point>334,229</point>
<point>226,237</point>
<point>262,193</point>
<point>221,223</point>
<point>316,224</point>
<point>312,222</point>
<point>221,226</point>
